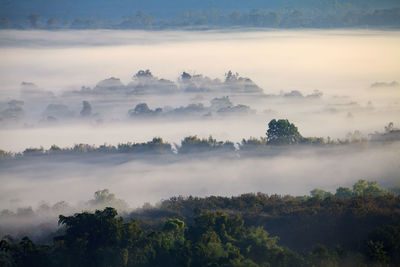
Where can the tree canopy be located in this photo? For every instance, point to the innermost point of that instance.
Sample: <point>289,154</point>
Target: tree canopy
<point>323,229</point>
<point>282,132</point>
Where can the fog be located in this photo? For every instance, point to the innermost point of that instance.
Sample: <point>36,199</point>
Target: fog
<point>43,183</point>
<point>294,172</point>
<point>356,73</point>
<point>331,60</point>
<point>92,87</point>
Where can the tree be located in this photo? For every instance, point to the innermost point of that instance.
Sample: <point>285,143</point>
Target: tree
<point>103,198</point>
<point>384,244</point>
<point>86,109</point>
<point>375,251</point>
<point>186,76</point>
<point>389,127</point>
<point>230,76</point>
<point>143,74</point>
<point>174,230</point>
<point>282,132</point>
<point>362,188</point>
<point>142,108</point>
<point>24,253</point>
<point>344,193</point>
<point>96,239</point>
<point>34,20</point>
<point>319,193</point>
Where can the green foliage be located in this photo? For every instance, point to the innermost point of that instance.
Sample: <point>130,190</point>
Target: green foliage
<point>174,233</point>
<point>383,245</point>
<point>319,193</point>
<point>376,252</point>
<point>253,144</point>
<point>362,188</point>
<point>238,234</point>
<point>101,239</point>
<point>313,140</point>
<point>96,239</point>
<point>282,132</point>
<point>331,221</point>
<point>228,228</point>
<point>321,256</point>
<point>195,144</point>
<point>24,253</point>
<point>344,193</point>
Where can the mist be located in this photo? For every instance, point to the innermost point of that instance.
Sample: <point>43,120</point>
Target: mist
<point>295,171</point>
<point>303,60</point>
<point>36,190</point>
<point>92,87</point>
<point>43,68</point>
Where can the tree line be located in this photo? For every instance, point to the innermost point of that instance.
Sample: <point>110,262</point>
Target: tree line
<point>247,230</point>
<point>280,133</point>
<point>211,18</point>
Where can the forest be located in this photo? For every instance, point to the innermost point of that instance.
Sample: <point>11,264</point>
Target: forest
<point>357,226</point>
<point>354,226</point>
<point>157,15</point>
<point>280,136</point>
<point>199,133</point>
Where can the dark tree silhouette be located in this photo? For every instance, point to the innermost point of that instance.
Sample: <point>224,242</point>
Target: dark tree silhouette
<point>86,109</point>
<point>282,132</point>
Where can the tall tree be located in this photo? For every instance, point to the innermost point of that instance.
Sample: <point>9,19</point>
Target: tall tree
<point>282,132</point>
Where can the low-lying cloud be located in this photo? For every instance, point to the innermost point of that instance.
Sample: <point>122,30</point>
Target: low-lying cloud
<point>296,171</point>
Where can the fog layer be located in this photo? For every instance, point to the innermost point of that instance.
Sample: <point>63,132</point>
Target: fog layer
<point>329,59</point>
<point>295,171</point>
<point>355,73</point>
<point>95,87</point>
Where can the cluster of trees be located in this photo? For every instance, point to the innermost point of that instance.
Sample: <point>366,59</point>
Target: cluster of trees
<point>13,111</point>
<point>193,143</point>
<point>247,230</point>
<point>102,239</point>
<point>361,188</point>
<point>280,133</point>
<point>38,222</point>
<point>289,18</point>
<point>259,17</point>
<point>219,106</point>
<point>155,146</point>
<point>144,82</point>
<point>348,228</point>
